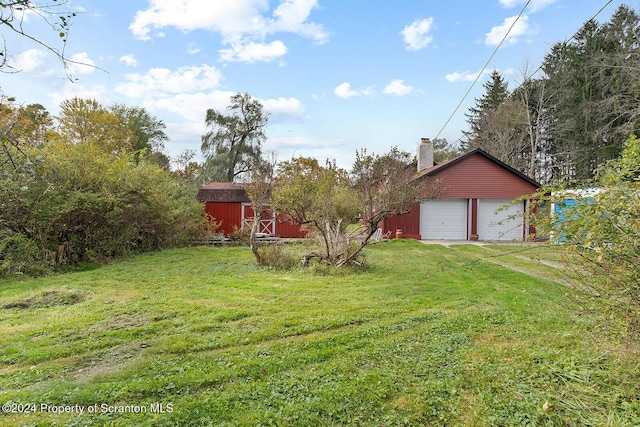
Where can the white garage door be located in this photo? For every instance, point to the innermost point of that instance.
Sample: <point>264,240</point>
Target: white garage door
<point>444,219</point>
<point>494,225</point>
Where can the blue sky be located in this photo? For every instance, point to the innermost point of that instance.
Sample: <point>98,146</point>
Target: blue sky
<point>335,75</point>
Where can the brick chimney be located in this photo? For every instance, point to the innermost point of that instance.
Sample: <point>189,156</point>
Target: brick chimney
<point>425,154</point>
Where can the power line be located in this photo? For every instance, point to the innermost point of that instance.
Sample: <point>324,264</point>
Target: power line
<point>494,53</point>
<point>484,67</point>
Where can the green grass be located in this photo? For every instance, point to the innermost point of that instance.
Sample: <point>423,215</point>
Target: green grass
<point>422,335</point>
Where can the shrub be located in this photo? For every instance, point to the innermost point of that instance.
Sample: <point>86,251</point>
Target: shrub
<point>94,204</point>
<point>277,255</point>
<point>18,254</point>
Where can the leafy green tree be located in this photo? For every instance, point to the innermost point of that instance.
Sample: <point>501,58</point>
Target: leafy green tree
<point>87,121</point>
<point>63,202</point>
<point>145,133</point>
<point>320,198</point>
<point>77,202</point>
<point>602,230</point>
<point>233,142</point>
<point>443,151</point>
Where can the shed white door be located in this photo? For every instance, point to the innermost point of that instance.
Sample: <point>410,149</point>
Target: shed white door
<point>494,225</point>
<point>444,219</point>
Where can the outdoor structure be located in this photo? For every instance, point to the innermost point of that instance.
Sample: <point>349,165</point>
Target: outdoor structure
<point>563,206</point>
<point>473,186</point>
<point>229,204</point>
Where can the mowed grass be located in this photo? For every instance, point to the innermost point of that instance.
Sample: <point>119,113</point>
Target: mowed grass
<point>423,335</point>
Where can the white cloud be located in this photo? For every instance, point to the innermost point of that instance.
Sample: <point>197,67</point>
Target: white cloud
<point>254,52</point>
<point>28,60</point>
<point>159,81</point>
<point>344,90</point>
<point>291,16</point>
<point>192,107</point>
<point>296,142</point>
<point>129,60</point>
<point>465,76</point>
<point>397,87</point>
<point>417,35</point>
<point>193,48</point>
<point>534,6</point>
<point>71,90</point>
<point>290,107</point>
<point>243,24</point>
<point>80,63</point>
<point>520,28</point>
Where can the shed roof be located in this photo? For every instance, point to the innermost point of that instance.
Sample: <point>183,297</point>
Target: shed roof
<point>223,192</point>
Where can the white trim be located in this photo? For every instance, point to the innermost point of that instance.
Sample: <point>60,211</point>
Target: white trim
<point>267,226</point>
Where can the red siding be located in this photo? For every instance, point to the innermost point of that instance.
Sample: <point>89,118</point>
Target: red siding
<point>286,229</point>
<point>474,217</point>
<point>408,223</point>
<point>231,216</point>
<point>477,177</point>
<point>229,213</point>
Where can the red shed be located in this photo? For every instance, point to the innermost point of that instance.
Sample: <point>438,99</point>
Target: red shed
<point>229,204</point>
<point>475,186</point>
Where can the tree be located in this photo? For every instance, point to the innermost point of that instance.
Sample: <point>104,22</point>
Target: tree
<point>533,96</point>
<point>320,198</point>
<point>443,151</point>
<point>52,13</point>
<point>87,121</point>
<point>185,168</point>
<point>496,91</point>
<point>145,133</point>
<point>259,189</point>
<point>595,88</point>
<point>327,199</point>
<point>385,186</point>
<point>233,143</point>
<point>66,203</point>
<point>602,230</point>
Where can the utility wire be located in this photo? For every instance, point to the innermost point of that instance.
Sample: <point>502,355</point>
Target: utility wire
<point>494,53</point>
<point>484,67</point>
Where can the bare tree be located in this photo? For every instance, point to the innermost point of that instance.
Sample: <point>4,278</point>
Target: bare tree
<point>54,13</point>
<point>259,189</point>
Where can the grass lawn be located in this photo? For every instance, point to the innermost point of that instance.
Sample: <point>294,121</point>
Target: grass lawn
<point>424,335</point>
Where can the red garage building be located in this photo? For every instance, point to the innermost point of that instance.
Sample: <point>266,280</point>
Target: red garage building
<point>473,186</point>
<point>229,204</point>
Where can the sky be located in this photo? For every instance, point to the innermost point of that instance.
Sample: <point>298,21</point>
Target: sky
<point>335,76</point>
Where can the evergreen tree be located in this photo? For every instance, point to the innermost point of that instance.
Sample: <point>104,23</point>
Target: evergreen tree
<point>594,107</point>
<point>496,92</point>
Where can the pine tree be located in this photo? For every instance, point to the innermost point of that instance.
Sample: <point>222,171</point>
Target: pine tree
<point>496,92</point>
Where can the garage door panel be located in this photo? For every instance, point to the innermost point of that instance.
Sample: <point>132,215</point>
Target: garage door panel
<point>495,223</point>
<point>444,219</point>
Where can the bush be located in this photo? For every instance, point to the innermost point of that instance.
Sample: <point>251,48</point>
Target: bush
<point>277,255</point>
<point>85,204</point>
<point>20,255</point>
